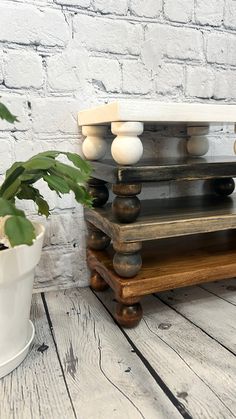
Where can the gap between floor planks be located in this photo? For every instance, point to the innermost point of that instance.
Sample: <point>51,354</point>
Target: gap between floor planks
<point>196,361</point>
<point>97,374</point>
<point>88,371</point>
<point>105,377</point>
<point>36,389</point>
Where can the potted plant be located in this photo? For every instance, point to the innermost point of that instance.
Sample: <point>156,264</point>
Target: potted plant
<point>21,240</point>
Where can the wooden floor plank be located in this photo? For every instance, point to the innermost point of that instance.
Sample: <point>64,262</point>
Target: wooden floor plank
<point>199,372</point>
<point>36,389</point>
<point>224,289</point>
<point>214,315</point>
<point>106,379</point>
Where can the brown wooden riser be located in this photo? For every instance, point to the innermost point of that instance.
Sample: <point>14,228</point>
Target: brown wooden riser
<point>172,263</point>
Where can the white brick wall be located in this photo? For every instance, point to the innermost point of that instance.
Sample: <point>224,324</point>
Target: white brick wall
<point>60,56</point>
<point>15,75</point>
<point>179,10</point>
<point>209,12</point>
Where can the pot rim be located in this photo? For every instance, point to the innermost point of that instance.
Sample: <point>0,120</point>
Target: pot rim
<point>41,233</point>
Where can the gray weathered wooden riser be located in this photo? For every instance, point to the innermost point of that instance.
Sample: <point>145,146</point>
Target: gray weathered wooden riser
<point>169,218</point>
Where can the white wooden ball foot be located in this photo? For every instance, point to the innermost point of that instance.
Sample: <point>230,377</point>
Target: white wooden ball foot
<point>127,148</point>
<point>197,144</point>
<point>94,146</point>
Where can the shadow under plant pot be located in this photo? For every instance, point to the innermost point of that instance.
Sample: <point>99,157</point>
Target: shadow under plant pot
<point>17,267</point>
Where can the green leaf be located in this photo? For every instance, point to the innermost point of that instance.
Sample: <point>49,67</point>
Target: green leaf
<point>43,207</point>
<point>12,189</point>
<point>13,167</point>
<point>10,179</point>
<point>56,183</point>
<point>32,176</point>
<point>19,230</point>
<point>70,172</point>
<point>8,208</point>
<point>7,115</point>
<point>50,153</point>
<point>81,195</point>
<point>28,192</point>
<point>39,163</point>
<point>80,163</point>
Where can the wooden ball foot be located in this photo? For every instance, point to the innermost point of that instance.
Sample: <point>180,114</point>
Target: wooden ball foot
<point>224,186</point>
<point>97,283</point>
<point>126,209</point>
<point>126,206</point>
<point>96,239</point>
<point>128,315</point>
<point>99,192</point>
<point>127,265</point>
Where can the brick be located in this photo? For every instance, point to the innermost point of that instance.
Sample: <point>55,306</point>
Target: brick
<point>187,44</point>
<point>52,115</point>
<point>32,26</point>
<point>179,10</point>
<point>64,228</point>
<point>23,69</point>
<point>209,12</point>
<point>105,74</point>
<point>147,8</point>
<point>111,6</point>
<point>172,42</point>
<point>6,154</point>
<point>221,48</point>
<point>18,106</point>
<point>67,71</point>
<point>61,264</point>
<point>101,34</point>
<point>225,86</point>
<point>1,66</point>
<point>136,79</point>
<point>79,3</point>
<point>200,82</point>
<point>230,14</point>
<point>169,79</point>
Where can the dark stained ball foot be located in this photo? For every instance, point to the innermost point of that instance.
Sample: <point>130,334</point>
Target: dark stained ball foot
<point>127,265</point>
<point>97,283</point>
<point>128,315</point>
<point>99,192</point>
<point>96,239</point>
<point>224,186</point>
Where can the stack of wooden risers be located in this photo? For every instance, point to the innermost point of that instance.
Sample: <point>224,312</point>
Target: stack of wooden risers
<point>138,248</point>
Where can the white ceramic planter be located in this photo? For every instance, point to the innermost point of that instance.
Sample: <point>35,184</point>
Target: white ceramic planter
<point>16,282</point>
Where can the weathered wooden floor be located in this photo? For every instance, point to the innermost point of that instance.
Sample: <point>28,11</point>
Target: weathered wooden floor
<point>179,362</point>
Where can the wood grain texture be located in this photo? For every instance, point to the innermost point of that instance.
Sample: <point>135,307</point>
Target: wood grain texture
<point>36,389</point>
<point>223,289</point>
<point>198,371</point>
<point>203,308</point>
<point>105,378</point>
<point>56,284</point>
<point>172,263</point>
<point>160,169</point>
<point>169,218</point>
<point>159,112</point>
